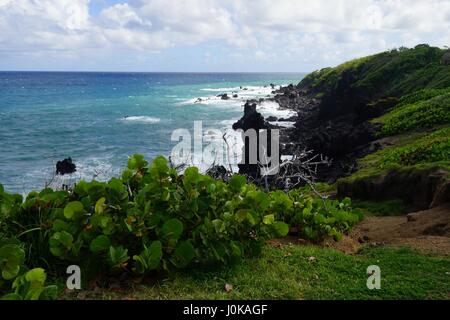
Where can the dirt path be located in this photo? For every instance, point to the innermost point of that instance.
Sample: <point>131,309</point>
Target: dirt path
<point>427,231</point>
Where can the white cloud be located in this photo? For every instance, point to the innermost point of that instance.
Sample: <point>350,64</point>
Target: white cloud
<point>320,30</point>
<point>122,15</point>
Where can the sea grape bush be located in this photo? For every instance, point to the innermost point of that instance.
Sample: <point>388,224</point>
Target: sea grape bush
<point>315,218</point>
<point>149,220</point>
<point>25,284</point>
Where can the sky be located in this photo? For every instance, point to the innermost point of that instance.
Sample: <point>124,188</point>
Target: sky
<point>211,35</point>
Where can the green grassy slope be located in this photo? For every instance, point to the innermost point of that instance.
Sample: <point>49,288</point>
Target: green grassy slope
<point>288,273</point>
<point>412,87</point>
<point>393,73</point>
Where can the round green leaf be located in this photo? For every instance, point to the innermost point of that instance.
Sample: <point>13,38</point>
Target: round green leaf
<point>36,275</point>
<point>11,258</point>
<point>72,209</point>
<point>183,254</point>
<point>100,244</point>
<point>100,205</point>
<point>237,182</point>
<point>155,255</point>
<point>172,228</point>
<point>281,228</point>
<point>269,219</point>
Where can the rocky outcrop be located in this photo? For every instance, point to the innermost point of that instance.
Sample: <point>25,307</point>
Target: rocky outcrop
<point>65,166</point>
<point>252,119</point>
<point>335,105</point>
<point>224,96</point>
<point>419,188</point>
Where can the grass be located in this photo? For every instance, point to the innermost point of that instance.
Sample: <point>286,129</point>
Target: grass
<point>419,150</point>
<point>381,208</point>
<point>287,273</point>
<point>390,73</point>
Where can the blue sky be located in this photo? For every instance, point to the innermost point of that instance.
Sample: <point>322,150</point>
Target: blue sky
<point>210,35</point>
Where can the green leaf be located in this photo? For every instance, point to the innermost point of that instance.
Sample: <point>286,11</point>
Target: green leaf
<point>100,205</point>
<point>100,244</point>
<point>118,257</point>
<point>269,219</point>
<point>50,293</point>
<point>60,225</point>
<point>191,176</point>
<point>149,259</point>
<point>237,182</point>
<point>11,258</point>
<point>159,167</point>
<point>36,275</point>
<point>219,226</point>
<point>262,200</point>
<point>127,174</point>
<point>11,296</point>
<point>251,219</point>
<point>281,229</point>
<point>60,243</point>
<point>34,293</point>
<point>72,209</point>
<point>241,214</point>
<point>183,254</point>
<point>155,254</point>
<point>172,228</point>
<point>64,238</point>
<point>137,162</point>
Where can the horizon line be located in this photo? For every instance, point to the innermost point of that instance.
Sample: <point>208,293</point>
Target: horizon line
<point>199,72</point>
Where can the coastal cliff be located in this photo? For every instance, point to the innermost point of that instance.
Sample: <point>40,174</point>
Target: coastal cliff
<point>375,115</point>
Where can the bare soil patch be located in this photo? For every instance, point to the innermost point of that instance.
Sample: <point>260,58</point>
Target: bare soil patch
<point>427,231</point>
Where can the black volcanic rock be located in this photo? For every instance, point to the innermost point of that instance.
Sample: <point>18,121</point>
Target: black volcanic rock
<point>224,96</point>
<point>65,166</point>
<point>252,119</point>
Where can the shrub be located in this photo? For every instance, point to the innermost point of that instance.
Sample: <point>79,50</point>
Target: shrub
<point>152,220</point>
<point>421,114</point>
<point>431,148</point>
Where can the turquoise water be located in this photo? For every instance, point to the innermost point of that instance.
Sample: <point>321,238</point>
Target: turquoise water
<point>99,119</point>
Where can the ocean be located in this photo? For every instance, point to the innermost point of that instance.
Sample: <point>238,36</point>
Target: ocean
<point>100,119</point>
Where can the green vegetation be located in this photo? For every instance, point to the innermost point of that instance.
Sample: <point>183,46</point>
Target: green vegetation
<point>329,77</point>
<point>289,272</point>
<point>418,115</point>
<point>408,152</point>
<point>381,208</point>
<point>182,229</point>
<point>421,95</point>
<point>393,73</point>
<point>431,148</point>
<point>151,221</point>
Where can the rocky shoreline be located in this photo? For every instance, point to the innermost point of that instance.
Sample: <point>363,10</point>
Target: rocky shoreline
<point>343,138</point>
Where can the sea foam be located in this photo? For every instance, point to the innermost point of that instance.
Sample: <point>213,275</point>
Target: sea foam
<point>141,119</point>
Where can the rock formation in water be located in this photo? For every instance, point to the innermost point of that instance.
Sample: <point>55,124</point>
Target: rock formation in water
<point>65,166</point>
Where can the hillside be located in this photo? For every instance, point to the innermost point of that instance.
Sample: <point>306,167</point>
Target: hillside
<point>358,83</point>
<point>382,118</point>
